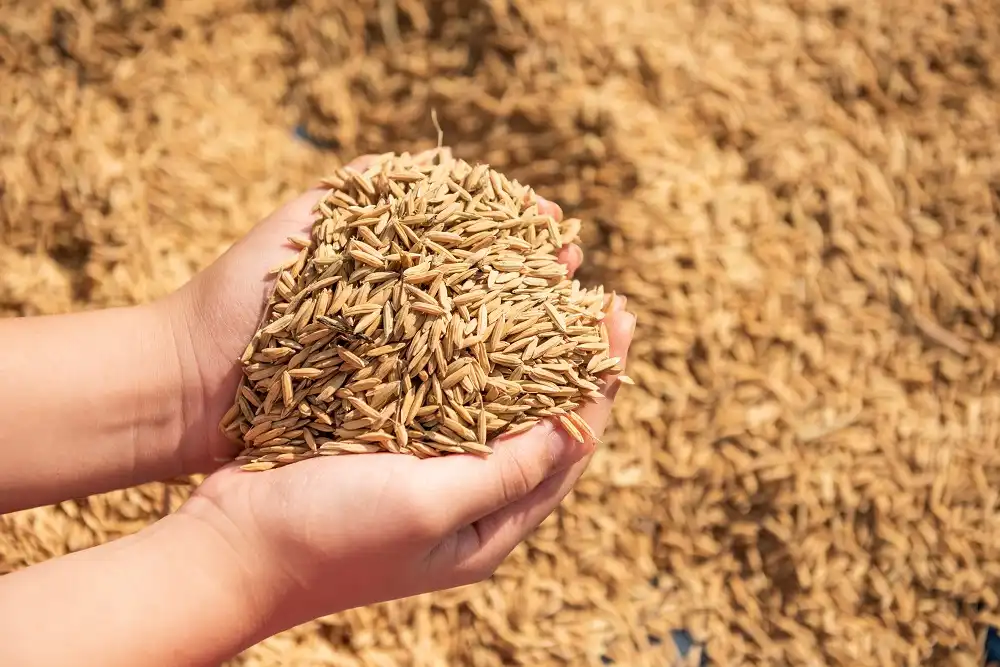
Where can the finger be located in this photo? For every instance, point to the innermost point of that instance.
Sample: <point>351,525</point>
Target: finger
<point>572,256</point>
<point>485,543</point>
<point>546,207</point>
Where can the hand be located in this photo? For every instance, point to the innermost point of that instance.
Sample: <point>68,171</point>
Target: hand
<point>332,533</point>
<point>249,554</point>
<point>218,311</point>
<point>328,534</point>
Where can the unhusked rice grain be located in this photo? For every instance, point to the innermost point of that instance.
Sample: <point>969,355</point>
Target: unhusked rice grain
<point>427,314</point>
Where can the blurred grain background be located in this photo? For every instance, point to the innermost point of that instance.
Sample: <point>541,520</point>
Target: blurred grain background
<point>800,198</point>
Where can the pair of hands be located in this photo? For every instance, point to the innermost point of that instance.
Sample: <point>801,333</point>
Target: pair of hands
<point>329,534</point>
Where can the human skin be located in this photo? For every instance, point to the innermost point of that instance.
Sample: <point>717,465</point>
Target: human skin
<point>102,400</point>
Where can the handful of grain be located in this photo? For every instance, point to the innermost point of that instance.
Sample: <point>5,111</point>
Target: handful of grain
<point>427,314</point>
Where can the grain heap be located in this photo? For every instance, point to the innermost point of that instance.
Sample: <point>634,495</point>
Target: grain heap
<point>798,197</point>
<point>428,313</point>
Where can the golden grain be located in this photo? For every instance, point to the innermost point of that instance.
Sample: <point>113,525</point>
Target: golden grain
<point>425,304</point>
<point>787,218</point>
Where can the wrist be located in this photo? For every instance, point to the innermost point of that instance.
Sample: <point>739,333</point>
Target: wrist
<point>165,390</point>
<point>267,598</point>
<point>286,579</point>
<point>204,388</point>
<point>171,594</point>
<point>223,603</point>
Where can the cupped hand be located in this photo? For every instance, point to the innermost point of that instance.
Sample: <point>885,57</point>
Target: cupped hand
<point>332,533</point>
<point>218,311</point>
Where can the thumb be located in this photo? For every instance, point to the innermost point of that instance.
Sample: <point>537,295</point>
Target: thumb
<point>471,487</point>
<point>468,488</point>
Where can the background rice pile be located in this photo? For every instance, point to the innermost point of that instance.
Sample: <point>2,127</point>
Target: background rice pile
<point>800,198</point>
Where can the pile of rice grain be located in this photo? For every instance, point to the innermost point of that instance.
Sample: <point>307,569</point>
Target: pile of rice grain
<point>427,314</point>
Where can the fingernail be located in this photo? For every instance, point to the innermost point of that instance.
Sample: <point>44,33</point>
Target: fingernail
<point>631,328</point>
